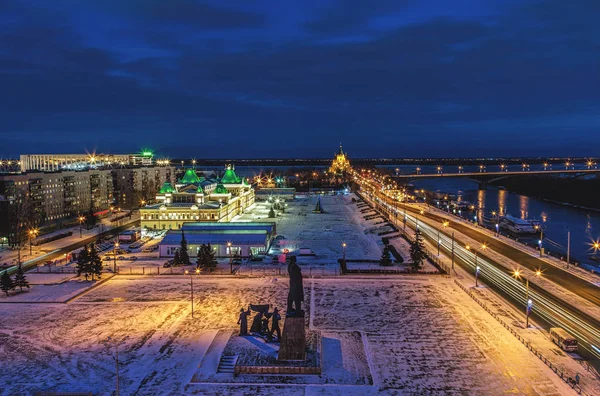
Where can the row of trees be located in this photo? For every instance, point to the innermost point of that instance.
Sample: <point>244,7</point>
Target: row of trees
<point>206,255</point>
<point>7,283</point>
<point>417,253</point>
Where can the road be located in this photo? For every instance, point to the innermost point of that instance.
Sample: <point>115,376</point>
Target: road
<point>550,309</point>
<point>60,252</point>
<point>565,279</point>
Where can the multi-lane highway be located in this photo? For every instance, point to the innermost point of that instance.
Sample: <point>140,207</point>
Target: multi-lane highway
<point>552,310</point>
<point>563,278</point>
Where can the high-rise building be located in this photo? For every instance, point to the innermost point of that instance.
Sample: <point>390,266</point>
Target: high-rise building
<point>136,186</point>
<point>36,198</point>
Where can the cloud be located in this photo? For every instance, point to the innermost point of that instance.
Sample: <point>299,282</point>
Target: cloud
<point>104,70</point>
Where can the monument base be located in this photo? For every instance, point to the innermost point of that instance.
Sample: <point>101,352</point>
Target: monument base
<point>293,340</point>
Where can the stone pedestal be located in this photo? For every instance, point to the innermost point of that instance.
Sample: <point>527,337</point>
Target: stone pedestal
<point>293,340</point>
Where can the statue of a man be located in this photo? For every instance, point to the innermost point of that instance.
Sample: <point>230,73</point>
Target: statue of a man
<point>296,293</point>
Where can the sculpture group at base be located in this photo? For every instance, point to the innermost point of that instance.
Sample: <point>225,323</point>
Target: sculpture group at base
<point>260,322</point>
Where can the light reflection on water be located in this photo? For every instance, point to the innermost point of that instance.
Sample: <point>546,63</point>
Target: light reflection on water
<point>557,220</point>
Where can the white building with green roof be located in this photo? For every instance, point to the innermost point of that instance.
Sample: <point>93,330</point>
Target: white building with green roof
<point>196,199</point>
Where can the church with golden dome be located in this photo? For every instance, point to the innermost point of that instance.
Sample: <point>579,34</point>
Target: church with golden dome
<point>340,163</point>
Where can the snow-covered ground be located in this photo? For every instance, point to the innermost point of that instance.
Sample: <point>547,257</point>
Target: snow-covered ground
<point>405,334</point>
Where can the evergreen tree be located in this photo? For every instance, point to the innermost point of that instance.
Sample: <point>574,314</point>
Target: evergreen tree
<point>211,261</point>
<point>83,262</point>
<point>20,280</point>
<point>271,213</point>
<point>6,283</point>
<point>183,251</point>
<point>95,262</point>
<point>177,258</point>
<point>90,219</point>
<point>386,258</point>
<point>417,252</point>
<point>201,259</point>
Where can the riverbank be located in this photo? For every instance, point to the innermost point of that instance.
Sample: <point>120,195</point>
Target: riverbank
<point>579,193</point>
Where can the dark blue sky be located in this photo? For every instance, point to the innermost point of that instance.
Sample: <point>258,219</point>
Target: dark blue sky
<point>266,78</point>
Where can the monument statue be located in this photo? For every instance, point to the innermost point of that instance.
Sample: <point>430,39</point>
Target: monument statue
<point>293,339</point>
<point>296,292</point>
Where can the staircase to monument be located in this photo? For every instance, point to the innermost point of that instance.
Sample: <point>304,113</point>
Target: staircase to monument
<point>227,364</point>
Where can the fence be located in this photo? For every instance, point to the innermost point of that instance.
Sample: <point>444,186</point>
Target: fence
<point>557,370</point>
<point>245,270</point>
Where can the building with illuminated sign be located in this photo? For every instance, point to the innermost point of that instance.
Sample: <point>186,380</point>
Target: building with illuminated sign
<point>197,199</point>
<point>55,162</point>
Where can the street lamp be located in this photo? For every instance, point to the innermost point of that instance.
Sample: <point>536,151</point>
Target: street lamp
<point>444,224</point>
<point>81,219</point>
<point>483,247</point>
<point>117,361</point>
<point>541,240</point>
<point>230,258</point>
<point>344,251</point>
<point>528,302</point>
<point>115,257</point>
<point>32,234</point>
<point>192,287</point>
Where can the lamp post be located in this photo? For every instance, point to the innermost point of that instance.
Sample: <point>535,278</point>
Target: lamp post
<point>495,214</point>
<point>541,240</point>
<point>115,257</point>
<point>81,219</point>
<point>528,302</point>
<point>32,234</point>
<point>444,224</point>
<point>477,268</point>
<point>117,362</point>
<point>230,258</point>
<point>192,287</point>
<point>452,249</point>
<point>344,251</point>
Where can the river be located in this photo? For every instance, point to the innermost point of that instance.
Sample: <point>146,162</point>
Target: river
<point>556,219</point>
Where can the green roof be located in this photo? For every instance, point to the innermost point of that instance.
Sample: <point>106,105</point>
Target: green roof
<point>200,190</point>
<point>230,177</point>
<point>221,189</point>
<point>166,188</point>
<point>190,177</point>
<point>245,181</point>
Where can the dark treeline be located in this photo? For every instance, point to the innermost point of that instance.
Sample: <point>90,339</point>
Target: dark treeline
<point>582,192</point>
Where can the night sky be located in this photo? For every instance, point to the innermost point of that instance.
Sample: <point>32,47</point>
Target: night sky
<point>253,78</point>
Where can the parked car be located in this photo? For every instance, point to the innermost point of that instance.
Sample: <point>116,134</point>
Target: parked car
<point>121,258</point>
<point>256,258</point>
<point>148,250</point>
<point>279,237</point>
<point>107,258</point>
<point>132,258</point>
<point>168,264</point>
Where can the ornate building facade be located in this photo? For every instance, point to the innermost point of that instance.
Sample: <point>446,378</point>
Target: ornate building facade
<point>197,199</point>
<point>340,163</point>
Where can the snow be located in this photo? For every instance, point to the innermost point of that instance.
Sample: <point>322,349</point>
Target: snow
<point>411,334</point>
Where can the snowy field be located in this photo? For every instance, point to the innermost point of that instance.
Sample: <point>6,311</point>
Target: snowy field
<point>405,334</point>
<point>324,233</point>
